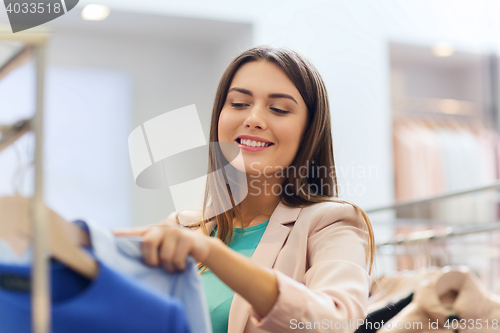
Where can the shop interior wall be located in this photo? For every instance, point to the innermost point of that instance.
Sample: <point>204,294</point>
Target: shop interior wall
<point>166,66</point>
<point>347,40</point>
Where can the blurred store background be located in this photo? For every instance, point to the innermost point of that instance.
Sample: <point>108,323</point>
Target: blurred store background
<point>413,87</point>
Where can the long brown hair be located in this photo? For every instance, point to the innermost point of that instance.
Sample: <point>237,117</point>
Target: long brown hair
<point>315,151</point>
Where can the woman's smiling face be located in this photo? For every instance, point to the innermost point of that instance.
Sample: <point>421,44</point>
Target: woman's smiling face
<point>263,105</point>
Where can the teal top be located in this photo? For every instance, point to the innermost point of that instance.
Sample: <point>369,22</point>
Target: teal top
<point>219,296</point>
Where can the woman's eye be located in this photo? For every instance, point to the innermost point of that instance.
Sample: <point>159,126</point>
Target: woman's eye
<point>242,105</point>
<point>279,111</point>
<point>238,105</point>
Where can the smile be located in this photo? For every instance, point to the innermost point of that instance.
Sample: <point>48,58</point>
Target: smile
<point>252,146</point>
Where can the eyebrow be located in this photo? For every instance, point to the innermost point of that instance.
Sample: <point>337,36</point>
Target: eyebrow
<point>276,95</point>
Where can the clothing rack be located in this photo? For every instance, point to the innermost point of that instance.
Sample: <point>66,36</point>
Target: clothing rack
<point>432,235</point>
<point>493,186</point>
<point>35,44</point>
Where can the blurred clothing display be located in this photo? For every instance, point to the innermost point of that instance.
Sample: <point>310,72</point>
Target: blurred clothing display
<point>110,303</point>
<point>123,254</point>
<point>398,286</point>
<point>433,158</point>
<point>454,300</point>
<point>377,318</point>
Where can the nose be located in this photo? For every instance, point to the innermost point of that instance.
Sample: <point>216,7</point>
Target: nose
<point>255,118</point>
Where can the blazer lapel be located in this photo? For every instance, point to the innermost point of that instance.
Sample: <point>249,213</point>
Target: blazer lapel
<point>265,254</point>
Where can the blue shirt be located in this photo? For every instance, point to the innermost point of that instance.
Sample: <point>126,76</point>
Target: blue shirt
<point>123,254</point>
<point>111,302</point>
<point>219,295</point>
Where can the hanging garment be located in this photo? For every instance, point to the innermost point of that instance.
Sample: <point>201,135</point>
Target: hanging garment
<point>9,256</point>
<point>318,254</point>
<point>375,319</point>
<point>397,286</point>
<point>111,302</point>
<point>123,254</point>
<point>469,309</point>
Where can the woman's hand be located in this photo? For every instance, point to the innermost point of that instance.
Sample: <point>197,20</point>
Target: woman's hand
<point>169,245</point>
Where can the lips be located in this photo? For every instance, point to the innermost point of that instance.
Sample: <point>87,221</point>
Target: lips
<point>252,138</point>
<point>238,140</point>
<point>252,149</point>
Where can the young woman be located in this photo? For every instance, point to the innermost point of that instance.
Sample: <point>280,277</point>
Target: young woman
<point>288,255</point>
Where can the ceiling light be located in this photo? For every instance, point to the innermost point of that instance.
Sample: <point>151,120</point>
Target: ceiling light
<point>443,50</point>
<point>95,12</point>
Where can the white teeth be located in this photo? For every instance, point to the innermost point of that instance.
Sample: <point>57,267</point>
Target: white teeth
<point>254,143</point>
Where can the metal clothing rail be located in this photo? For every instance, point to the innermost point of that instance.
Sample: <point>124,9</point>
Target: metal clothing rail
<point>495,185</point>
<point>36,42</point>
<point>432,235</point>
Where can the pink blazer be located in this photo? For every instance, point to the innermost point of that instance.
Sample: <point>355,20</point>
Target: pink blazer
<point>318,256</point>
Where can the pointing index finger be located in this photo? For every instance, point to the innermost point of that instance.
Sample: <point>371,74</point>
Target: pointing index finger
<point>138,231</point>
